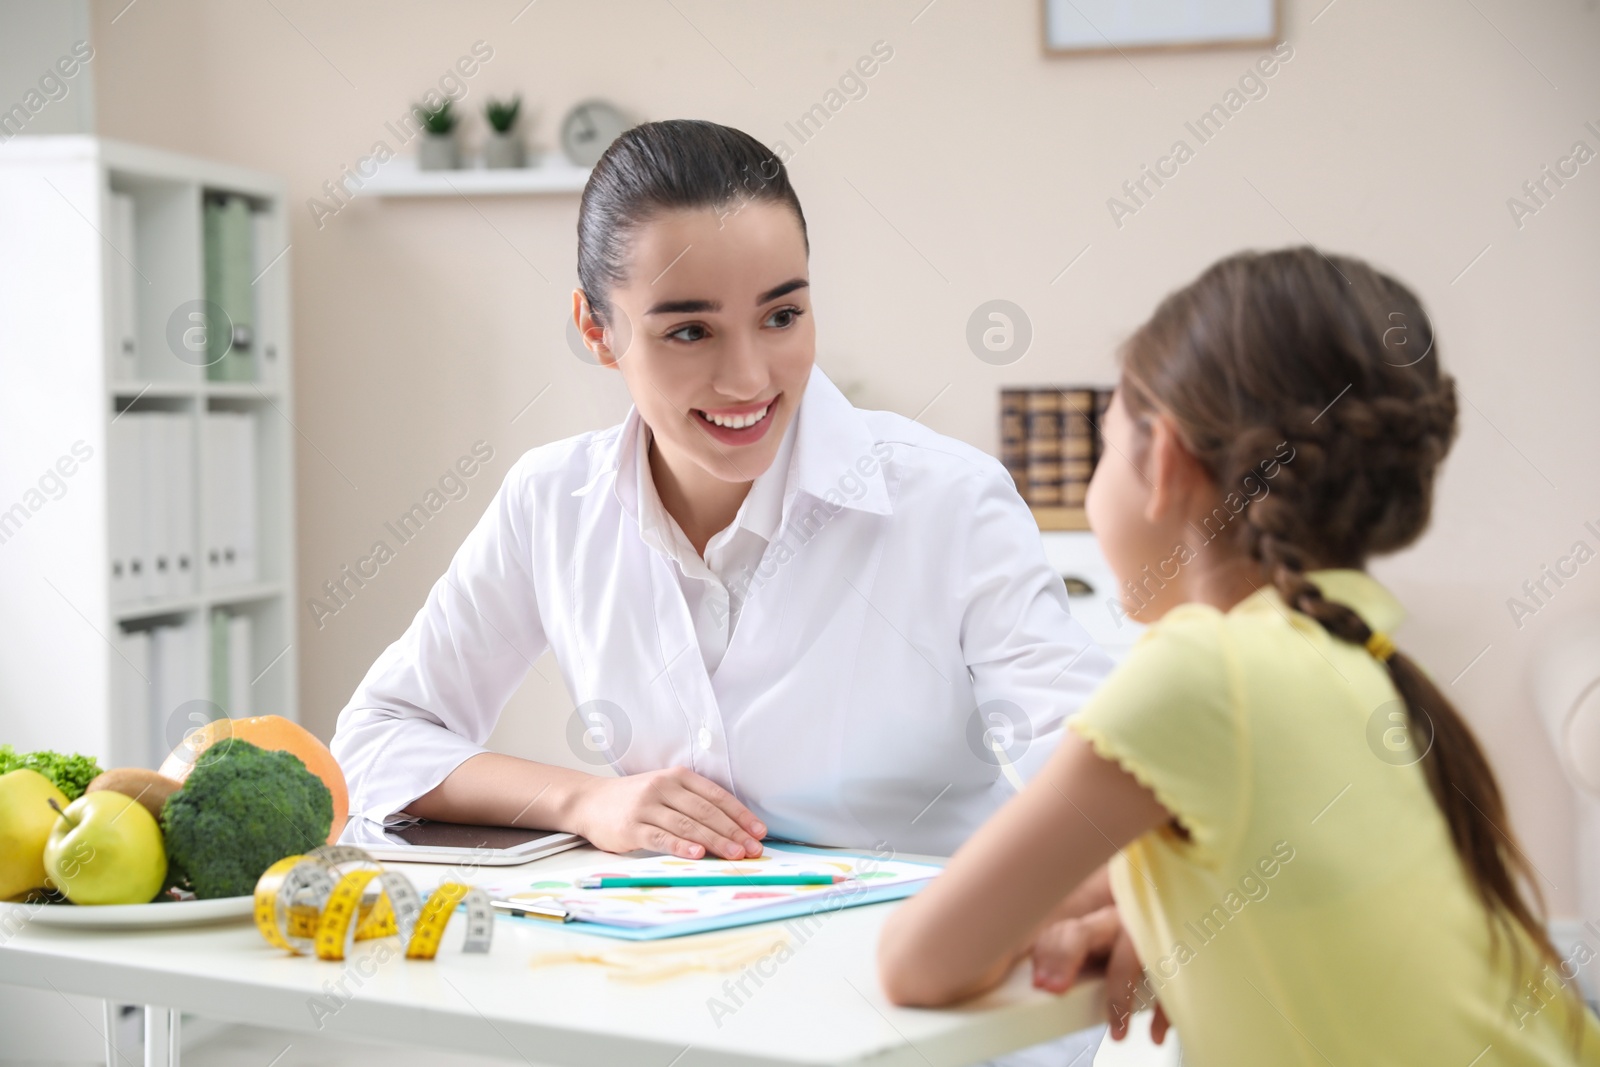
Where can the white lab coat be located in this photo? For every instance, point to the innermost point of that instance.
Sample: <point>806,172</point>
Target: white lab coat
<point>903,621</point>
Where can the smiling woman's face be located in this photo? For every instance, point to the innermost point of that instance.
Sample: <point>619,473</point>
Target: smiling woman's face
<point>714,332</point>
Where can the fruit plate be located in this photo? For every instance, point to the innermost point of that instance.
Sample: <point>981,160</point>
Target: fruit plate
<point>128,916</point>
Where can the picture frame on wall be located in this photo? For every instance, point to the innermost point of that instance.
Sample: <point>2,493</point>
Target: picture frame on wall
<point>1093,27</point>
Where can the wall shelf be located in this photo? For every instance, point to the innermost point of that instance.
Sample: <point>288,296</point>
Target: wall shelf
<point>553,173</point>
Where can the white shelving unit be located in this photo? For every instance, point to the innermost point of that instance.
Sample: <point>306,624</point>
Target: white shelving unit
<point>400,177</point>
<point>63,680</point>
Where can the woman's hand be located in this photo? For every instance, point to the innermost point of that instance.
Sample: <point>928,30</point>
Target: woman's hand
<point>1096,943</point>
<point>674,811</point>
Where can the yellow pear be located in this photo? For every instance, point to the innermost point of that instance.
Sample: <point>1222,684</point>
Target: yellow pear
<point>26,819</point>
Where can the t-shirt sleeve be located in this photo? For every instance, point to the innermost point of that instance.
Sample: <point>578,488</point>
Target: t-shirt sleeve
<point>1169,716</point>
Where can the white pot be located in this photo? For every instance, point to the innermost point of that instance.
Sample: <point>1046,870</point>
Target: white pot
<point>438,151</point>
<point>504,150</point>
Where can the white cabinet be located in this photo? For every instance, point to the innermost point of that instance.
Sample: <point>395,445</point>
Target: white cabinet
<point>115,488</point>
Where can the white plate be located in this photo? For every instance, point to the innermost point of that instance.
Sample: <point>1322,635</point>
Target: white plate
<point>127,916</point>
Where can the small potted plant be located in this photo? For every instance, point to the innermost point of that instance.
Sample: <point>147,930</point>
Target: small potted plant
<point>438,149</point>
<point>504,148</point>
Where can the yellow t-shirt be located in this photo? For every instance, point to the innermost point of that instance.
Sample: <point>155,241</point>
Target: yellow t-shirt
<point>1317,912</point>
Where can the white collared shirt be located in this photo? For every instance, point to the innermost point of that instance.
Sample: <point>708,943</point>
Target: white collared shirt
<point>904,655</point>
<point>713,585</point>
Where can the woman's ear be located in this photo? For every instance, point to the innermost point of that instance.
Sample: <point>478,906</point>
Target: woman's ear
<point>590,332</point>
<point>1172,470</point>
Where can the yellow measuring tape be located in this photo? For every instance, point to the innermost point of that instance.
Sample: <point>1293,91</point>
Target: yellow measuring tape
<point>318,904</point>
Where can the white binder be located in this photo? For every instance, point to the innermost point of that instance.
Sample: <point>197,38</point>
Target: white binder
<point>228,498</point>
<point>173,678</point>
<point>244,479</point>
<point>180,489</point>
<point>269,271</point>
<point>132,684</point>
<point>215,498</point>
<point>123,465</point>
<point>122,327</point>
<point>155,503</point>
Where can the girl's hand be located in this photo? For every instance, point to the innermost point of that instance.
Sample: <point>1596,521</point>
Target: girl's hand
<point>1094,943</point>
<point>673,811</point>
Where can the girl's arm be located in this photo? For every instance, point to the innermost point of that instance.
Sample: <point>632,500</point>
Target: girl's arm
<point>963,933</point>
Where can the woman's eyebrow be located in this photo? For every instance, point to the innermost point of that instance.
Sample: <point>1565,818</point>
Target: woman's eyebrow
<point>683,307</point>
<point>779,290</point>
<point>689,307</point>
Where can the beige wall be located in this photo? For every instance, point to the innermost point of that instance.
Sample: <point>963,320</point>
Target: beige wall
<point>974,168</point>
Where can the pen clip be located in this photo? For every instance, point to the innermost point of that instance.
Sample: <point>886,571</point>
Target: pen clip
<point>544,908</point>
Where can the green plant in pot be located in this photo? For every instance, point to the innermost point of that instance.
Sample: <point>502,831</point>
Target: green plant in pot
<point>438,149</point>
<point>505,147</point>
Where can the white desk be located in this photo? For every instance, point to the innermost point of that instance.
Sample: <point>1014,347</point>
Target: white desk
<point>820,1006</point>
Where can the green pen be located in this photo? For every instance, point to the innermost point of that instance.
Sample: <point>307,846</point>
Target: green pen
<point>673,880</point>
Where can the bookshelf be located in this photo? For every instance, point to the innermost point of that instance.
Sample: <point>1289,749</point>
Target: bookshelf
<point>1055,519</point>
<point>103,263</point>
<point>1049,443</point>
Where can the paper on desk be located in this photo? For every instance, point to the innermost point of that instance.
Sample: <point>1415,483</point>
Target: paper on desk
<point>647,907</point>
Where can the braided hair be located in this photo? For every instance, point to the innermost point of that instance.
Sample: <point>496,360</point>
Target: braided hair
<point>1335,358</point>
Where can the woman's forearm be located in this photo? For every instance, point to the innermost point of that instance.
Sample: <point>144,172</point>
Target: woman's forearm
<point>494,789</point>
<point>672,810</point>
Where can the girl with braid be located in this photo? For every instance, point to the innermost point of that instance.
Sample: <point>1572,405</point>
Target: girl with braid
<point>1312,856</point>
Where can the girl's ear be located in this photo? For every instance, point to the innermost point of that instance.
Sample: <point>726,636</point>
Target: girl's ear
<point>1172,470</point>
<point>591,332</point>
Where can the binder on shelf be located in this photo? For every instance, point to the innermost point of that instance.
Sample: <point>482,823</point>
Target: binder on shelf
<point>179,471</point>
<point>172,687</point>
<point>130,700</point>
<point>152,508</point>
<point>230,635</point>
<point>240,631</point>
<point>125,534</point>
<point>215,498</point>
<point>228,498</point>
<point>217,649</point>
<point>155,504</point>
<point>123,298</point>
<point>245,486</point>
<point>229,236</point>
<point>268,271</point>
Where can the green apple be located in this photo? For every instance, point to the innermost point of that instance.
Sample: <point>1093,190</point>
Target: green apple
<point>106,848</point>
<point>25,821</point>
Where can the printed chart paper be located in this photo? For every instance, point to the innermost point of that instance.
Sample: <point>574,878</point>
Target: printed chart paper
<point>657,906</point>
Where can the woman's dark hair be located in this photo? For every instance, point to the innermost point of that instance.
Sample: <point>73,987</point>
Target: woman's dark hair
<point>1337,359</point>
<point>660,166</point>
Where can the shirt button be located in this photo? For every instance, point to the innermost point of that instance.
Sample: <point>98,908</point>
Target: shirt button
<point>705,737</point>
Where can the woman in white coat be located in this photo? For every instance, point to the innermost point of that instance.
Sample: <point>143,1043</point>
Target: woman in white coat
<point>776,613</point>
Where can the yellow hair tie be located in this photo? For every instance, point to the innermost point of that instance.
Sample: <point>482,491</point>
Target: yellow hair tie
<point>1380,646</point>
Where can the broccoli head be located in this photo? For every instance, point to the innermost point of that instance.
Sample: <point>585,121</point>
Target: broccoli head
<point>240,811</point>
